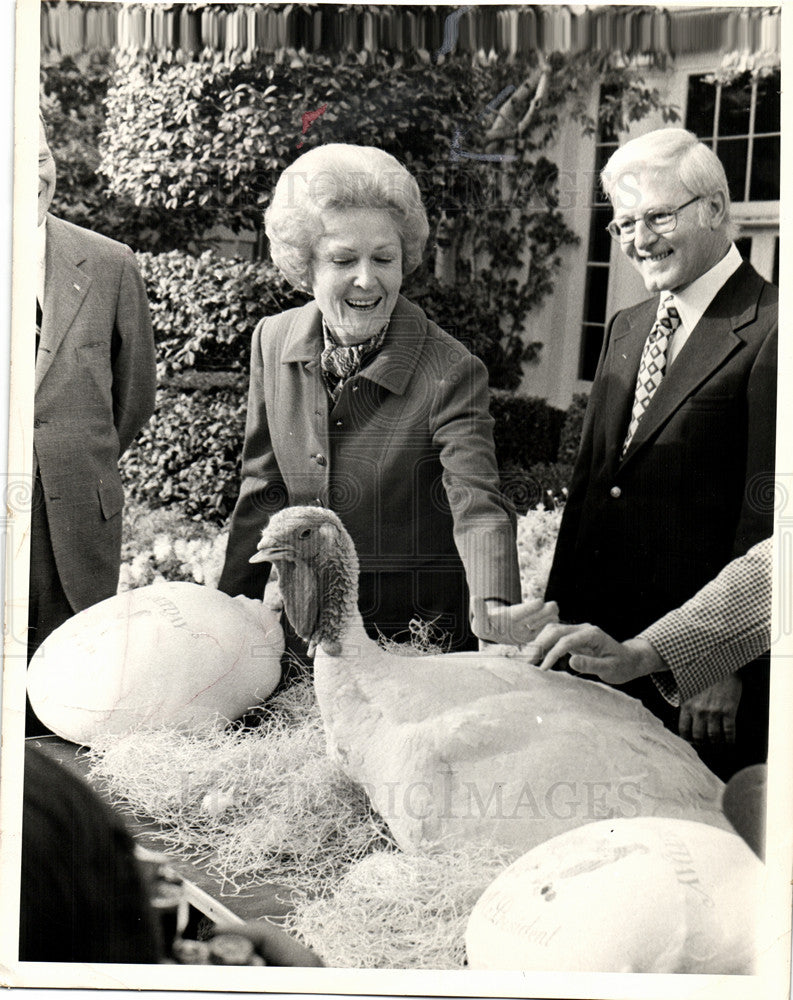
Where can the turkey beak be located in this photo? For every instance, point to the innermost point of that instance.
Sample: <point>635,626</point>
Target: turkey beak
<point>273,553</point>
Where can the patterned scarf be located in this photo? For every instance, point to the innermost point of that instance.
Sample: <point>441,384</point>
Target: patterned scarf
<point>340,363</point>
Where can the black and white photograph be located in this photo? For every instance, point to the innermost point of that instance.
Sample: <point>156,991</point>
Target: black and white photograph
<point>398,524</point>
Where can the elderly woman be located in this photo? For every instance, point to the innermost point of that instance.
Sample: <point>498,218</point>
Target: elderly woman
<point>360,403</point>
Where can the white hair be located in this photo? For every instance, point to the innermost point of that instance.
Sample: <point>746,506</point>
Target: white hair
<point>340,175</point>
<point>696,166</point>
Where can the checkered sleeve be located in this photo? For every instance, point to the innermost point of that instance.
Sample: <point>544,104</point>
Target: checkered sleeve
<point>720,629</point>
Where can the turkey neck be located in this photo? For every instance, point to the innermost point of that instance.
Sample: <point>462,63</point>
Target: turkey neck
<point>337,681</point>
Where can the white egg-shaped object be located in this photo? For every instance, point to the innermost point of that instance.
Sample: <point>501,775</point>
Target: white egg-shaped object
<point>646,894</point>
<point>172,654</point>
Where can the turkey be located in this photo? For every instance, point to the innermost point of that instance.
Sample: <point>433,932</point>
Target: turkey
<point>466,748</point>
<point>170,654</point>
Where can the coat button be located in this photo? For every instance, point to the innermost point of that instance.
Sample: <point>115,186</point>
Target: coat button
<point>320,460</point>
<point>616,492</point>
<point>37,422</point>
<point>355,388</point>
<point>339,423</point>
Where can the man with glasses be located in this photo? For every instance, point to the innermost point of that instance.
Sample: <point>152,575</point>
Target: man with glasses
<point>674,477</point>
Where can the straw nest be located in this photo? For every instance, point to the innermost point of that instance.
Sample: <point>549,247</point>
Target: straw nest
<point>264,805</point>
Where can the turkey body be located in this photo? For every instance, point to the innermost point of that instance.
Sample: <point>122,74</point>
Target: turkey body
<point>465,748</point>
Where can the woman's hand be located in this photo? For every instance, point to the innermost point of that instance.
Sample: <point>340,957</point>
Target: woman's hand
<point>592,651</point>
<point>511,624</point>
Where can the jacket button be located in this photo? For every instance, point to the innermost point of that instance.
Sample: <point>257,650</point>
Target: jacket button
<point>616,492</point>
<point>355,388</point>
<point>37,422</point>
<point>339,423</point>
<point>320,460</point>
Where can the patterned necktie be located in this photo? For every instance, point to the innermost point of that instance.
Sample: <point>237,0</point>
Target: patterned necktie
<point>653,363</point>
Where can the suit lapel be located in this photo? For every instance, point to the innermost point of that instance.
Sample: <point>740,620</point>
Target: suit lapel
<point>65,288</point>
<point>708,346</point>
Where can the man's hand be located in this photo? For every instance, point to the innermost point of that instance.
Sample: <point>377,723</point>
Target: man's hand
<point>511,624</point>
<point>709,717</point>
<point>592,651</point>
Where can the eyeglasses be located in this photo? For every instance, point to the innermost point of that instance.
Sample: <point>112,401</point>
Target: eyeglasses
<point>658,221</point>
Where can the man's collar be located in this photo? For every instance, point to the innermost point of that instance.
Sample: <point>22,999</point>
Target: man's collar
<point>693,301</point>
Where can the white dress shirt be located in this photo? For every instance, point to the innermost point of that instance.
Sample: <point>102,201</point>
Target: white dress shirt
<point>693,301</point>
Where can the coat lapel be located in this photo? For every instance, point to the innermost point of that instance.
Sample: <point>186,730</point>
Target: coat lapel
<point>708,346</point>
<point>65,288</point>
<point>392,367</point>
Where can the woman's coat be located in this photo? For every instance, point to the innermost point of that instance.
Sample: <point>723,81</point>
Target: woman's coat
<point>405,458</point>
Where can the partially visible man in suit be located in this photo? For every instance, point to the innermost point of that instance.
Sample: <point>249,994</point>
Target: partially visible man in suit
<point>95,383</point>
<point>677,451</point>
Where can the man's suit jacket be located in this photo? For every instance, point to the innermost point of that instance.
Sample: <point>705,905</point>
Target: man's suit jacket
<point>95,384</point>
<point>405,457</point>
<point>641,534</point>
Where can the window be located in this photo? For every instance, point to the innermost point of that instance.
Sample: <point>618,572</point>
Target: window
<point>740,122</point>
<point>599,253</point>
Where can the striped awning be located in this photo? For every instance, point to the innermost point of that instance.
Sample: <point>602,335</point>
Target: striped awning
<point>249,30</point>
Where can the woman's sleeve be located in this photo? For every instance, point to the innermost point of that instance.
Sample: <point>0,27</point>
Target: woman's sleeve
<point>484,520</point>
<point>262,493</point>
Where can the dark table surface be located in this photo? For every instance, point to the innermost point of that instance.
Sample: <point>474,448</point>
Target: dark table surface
<point>206,892</point>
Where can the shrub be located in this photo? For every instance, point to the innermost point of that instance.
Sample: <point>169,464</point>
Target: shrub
<point>570,436</point>
<point>73,95</point>
<point>204,309</point>
<point>164,545</point>
<point>526,431</point>
<point>537,534</point>
<point>189,453</point>
<point>542,485</point>
<point>214,136</point>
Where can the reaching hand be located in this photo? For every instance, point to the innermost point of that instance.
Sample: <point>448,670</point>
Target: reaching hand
<point>511,624</point>
<point>592,651</point>
<point>709,717</point>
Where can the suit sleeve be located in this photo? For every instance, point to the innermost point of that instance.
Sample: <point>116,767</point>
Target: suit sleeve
<point>562,569</point>
<point>484,521</point>
<point>262,493</point>
<point>133,355</point>
<point>757,511</point>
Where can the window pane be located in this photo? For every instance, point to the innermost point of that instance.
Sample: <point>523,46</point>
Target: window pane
<point>744,245</point>
<point>591,342</point>
<point>735,102</point>
<point>597,286</point>
<point>700,106</point>
<point>732,154</point>
<point>764,185</point>
<point>599,239</point>
<point>766,116</point>
<point>602,154</point>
